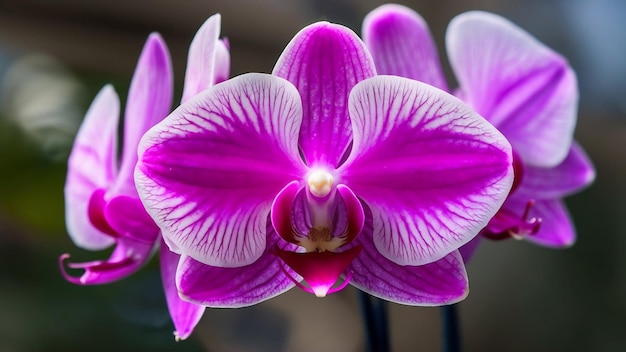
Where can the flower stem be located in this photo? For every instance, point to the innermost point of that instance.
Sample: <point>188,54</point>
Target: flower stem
<point>376,322</point>
<point>451,332</point>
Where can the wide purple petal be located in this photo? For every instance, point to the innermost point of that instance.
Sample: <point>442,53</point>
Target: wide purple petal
<point>432,171</point>
<point>127,257</point>
<point>200,73</point>
<point>401,45</point>
<point>570,176</point>
<point>441,282</point>
<point>237,287</point>
<point>185,315</point>
<point>525,89</point>
<point>92,166</point>
<point>209,172</point>
<point>556,230</point>
<point>149,101</point>
<point>324,61</point>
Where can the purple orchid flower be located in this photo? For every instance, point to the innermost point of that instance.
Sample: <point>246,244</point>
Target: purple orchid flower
<point>522,87</point>
<point>102,205</point>
<point>320,171</point>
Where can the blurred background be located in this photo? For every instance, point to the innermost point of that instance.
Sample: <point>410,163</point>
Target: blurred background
<point>56,55</point>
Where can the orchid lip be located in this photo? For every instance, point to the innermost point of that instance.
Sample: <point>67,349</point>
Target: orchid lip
<point>524,227</point>
<point>320,270</point>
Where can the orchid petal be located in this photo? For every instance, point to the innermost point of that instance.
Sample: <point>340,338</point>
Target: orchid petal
<point>401,45</point>
<point>149,101</point>
<point>209,172</point>
<point>324,61</point>
<point>222,62</point>
<point>570,176</point>
<point>127,257</point>
<point>92,166</point>
<point>432,171</point>
<point>236,287</point>
<point>129,219</point>
<point>201,60</point>
<point>441,282</point>
<point>525,89</point>
<point>185,315</point>
<point>556,230</point>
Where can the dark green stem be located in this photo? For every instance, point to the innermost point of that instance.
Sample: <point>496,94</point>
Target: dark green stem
<point>376,322</point>
<point>451,332</point>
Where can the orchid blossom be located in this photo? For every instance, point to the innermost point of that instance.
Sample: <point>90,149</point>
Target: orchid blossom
<point>102,205</point>
<point>318,172</point>
<point>522,87</point>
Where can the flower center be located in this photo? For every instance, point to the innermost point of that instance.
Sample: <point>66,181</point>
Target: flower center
<point>510,226</point>
<point>330,208</point>
<point>320,183</point>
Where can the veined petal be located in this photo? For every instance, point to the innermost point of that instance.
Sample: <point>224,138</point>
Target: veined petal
<point>556,230</point>
<point>209,172</point>
<point>92,166</point>
<point>236,287</point>
<point>324,61</point>
<point>201,60</point>
<point>149,101</point>
<point>570,176</point>
<point>432,171</point>
<point>185,315</point>
<point>127,257</point>
<point>401,45</point>
<point>525,89</point>
<point>441,282</point>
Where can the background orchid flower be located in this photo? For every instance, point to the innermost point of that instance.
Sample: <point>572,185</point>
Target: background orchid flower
<point>102,205</point>
<point>522,87</point>
<point>322,170</point>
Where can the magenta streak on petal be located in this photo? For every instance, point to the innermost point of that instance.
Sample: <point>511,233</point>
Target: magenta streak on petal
<point>324,61</point>
<point>209,172</point>
<point>432,171</point>
<point>280,214</point>
<point>320,270</point>
<point>95,211</point>
<point>127,257</point>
